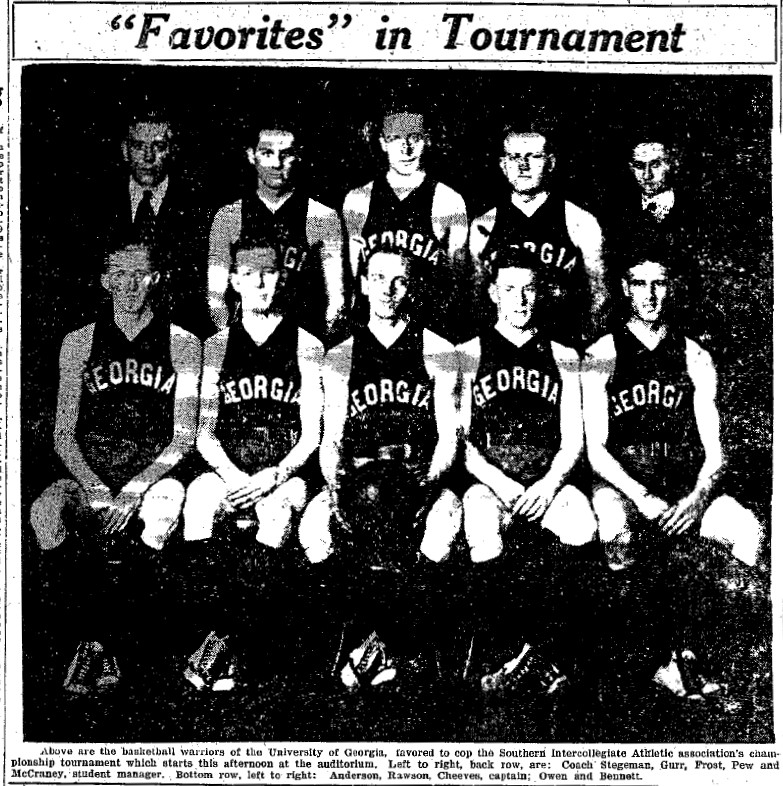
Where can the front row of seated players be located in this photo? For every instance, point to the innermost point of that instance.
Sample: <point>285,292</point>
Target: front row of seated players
<point>391,412</point>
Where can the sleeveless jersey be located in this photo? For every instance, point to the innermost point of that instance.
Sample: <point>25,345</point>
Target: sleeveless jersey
<point>515,421</point>
<point>258,412</point>
<point>406,225</point>
<point>286,230</point>
<point>545,234</point>
<point>391,399</point>
<point>126,413</point>
<point>652,425</point>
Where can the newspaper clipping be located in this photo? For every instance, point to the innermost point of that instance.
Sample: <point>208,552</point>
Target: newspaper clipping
<point>387,392</point>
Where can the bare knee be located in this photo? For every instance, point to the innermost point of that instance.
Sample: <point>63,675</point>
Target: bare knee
<point>47,512</point>
<point>314,534</point>
<point>571,517</point>
<point>483,513</point>
<point>726,521</point>
<point>160,511</point>
<point>205,497</point>
<point>443,524</point>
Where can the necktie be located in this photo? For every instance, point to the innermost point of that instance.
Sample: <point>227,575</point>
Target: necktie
<point>144,222</point>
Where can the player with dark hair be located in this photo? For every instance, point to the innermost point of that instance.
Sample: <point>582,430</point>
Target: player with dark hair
<point>307,234</point>
<point>567,239</point>
<point>126,416</point>
<point>521,411</point>
<point>390,435</point>
<point>408,211</point>
<point>653,438</point>
<point>260,424</point>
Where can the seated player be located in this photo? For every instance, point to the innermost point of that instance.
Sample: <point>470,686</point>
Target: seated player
<point>390,435</point>
<point>260,423</point>
<point>408,209</point>
<point>521,411</point>
<point>653,439</point>
<point>126,416</point>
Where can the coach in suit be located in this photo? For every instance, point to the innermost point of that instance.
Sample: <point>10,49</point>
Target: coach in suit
<point>155,206</point>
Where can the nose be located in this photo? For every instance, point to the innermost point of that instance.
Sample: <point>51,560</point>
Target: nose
<point>648,173</point>
<point>408,146</point>
<point>149,155</point>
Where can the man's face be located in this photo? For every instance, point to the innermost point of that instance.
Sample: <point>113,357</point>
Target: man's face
<point>650,164</point>
<point>275,157</point>
<point>386,284</point>
<point>148,152</point>
<point>129,280</point>
<point>647,286</point>
<point>525,162</point>
<point>403,139</point>
<point>256,278</point>
<point>515,293</point>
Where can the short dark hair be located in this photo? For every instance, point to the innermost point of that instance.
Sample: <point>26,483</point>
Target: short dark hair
<point>653,136</point>
<point>517,257</point>
<point>132,248</point>
<point>535,125</point>
<point>403,253</point>
<point>148,115</point>
<point>269,121</point>
<point>253,245</point>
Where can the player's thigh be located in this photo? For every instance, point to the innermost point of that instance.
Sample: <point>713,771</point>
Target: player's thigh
<point>728,522</point>
<point>614,513</point>
<point>204,498</point>
<point>571,517</point>
<point>441,526</point>
<point>483,514</point>
<point>47,512</point>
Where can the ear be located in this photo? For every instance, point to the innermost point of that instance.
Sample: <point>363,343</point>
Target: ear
<point>552,161</point>
<point>364,285</point>
<point>105,282</point>
<point>493,292</point>
<point>624,283</point>
<point>124,148</point>
<point>155,278</point>
<point>251,155</point>
<point>384,145</point>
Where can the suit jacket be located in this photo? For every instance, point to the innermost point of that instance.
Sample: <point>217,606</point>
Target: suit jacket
<point>180,242</point>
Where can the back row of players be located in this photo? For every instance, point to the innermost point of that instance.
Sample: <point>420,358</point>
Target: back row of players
<point>420,438</point>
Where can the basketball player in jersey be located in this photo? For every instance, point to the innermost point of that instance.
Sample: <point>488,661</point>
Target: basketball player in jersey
<point>260,423</point>
<point>521,410</point>
<point>653,439</point>
<point>407,210</point>
<point>567,239</point>
<point>389,393</point>
<point>126,416</point>
<point>307,234</point>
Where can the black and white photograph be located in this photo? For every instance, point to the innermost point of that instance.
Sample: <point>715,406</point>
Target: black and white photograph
<point>395,405</point>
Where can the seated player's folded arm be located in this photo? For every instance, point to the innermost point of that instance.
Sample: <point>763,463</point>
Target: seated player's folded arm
<point>705,392</point>
<point>310,356</point>
<point>73,358</point>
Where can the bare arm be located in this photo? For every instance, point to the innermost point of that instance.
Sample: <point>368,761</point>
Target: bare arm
<point>325,235</point>
<point>689,510</point>
<point>450,221</point>
<point>586,234</point>
<point>355,210</point>
<point>225,231</point>
<point>440,360</point>
<point>73,360</point>
<point>597,369</point>
<point>337,367</point>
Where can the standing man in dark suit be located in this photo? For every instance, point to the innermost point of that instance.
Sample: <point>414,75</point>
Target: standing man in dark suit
<point>157,207</point>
